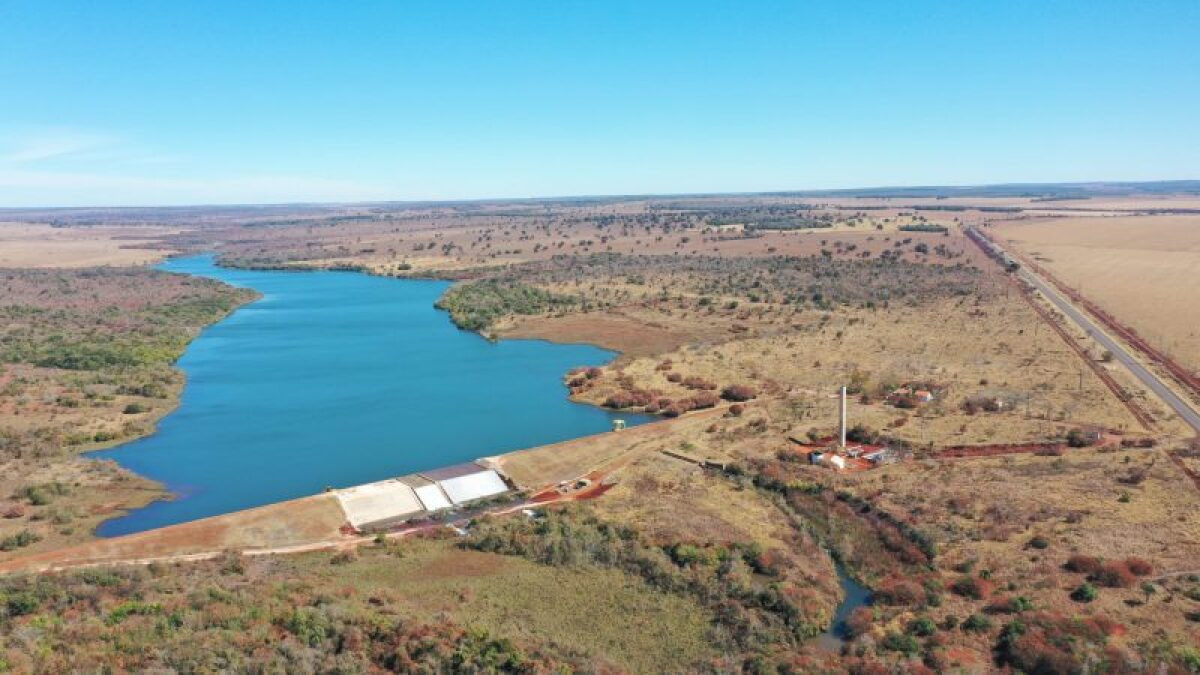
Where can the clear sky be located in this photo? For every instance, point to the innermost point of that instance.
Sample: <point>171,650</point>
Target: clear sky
<point>140,102</point>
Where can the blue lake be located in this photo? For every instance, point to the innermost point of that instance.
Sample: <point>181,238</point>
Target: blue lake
<point>338,378</point>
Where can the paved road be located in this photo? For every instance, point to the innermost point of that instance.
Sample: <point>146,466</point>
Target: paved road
<point>1151,380</point>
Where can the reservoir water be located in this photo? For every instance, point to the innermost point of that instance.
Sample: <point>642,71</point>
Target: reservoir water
<point>339,378</point>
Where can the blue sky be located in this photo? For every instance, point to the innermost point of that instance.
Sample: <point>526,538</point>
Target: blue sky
<point>236,102</point>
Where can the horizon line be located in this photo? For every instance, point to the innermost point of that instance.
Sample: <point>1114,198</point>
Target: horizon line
<point>1187,185</point>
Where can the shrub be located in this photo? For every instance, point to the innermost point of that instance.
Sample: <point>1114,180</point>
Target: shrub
<point>311,626</point>
<point>1140,567</point>
<point>972,587</point>
<point>738,393</point>
<point>977,623</point>
<point>19,540</point>
<point>1083,564</point>
<point>923,627</point>
<point>894,591</point>
<point>135,408</point>
<point>900,642</point>
<point>859,622</point>
<point>1085,593</point>
<point>1077,438</point>
<point>1010,605</point>
<point>131,608</point>
<point>1115,575</point>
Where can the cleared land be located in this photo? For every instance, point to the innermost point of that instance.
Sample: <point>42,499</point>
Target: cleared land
<point>42,246</point>
<point>1139,268</point>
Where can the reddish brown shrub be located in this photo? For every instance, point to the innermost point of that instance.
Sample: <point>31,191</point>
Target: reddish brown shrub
<point>1115,575</point>
<point>619,400</point>
<point>693,382</point>
<point>895,591</point>
<point>1083,564</point>
<point>859,622</point>
<point>1139,566</point>
<point>13,510</point>
<point>736,409</point>
<point>674,377</point>
<point>972,587</point>
<point>738,393</point>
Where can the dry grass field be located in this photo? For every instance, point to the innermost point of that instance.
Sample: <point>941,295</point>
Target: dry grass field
<point>604,614</point>
<point>1142,269</point>
<point>1114,504</point>
<point>995,350</point>
<point>36,245</point>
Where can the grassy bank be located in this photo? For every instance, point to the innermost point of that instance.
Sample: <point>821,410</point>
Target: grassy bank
<point>87,361</point>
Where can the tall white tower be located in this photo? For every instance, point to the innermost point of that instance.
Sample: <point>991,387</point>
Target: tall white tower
<point>842,418</point>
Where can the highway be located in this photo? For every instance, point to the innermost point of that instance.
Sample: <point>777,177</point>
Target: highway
<point>1150,379</point>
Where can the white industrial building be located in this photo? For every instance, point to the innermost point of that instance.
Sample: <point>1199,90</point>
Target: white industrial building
<point>385,503</point>
<point>467,482</point>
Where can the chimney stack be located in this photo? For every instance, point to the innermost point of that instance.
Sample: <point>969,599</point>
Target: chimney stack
<point>842,418</point>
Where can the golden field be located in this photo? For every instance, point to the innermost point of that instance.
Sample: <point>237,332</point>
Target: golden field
<point>1141,269</point>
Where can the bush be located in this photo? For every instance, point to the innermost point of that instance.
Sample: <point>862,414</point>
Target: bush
<point>1140,567</point>
<point>19,540</point>
<point>1083,564</point>
<point>977,623</point>
<point>738,393</point>
<point>1010,605</point>
<point>900,642</point>
<point>136,408</point>
<point>859,622</point>
<point>972,587</point>
<point>310,625</point>
<point>1085,593</point>
<point>923,627</point>
<point>894,591</point>
<point>1077,438</point>
<point>1115,575</point>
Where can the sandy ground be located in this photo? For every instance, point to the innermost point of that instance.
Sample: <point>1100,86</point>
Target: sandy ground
<point>33,245</point>
<point>1139,268</point>
<point>296,522</point>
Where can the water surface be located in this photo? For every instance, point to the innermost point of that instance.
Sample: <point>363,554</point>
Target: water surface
<point>854,595</point>
<point>338,378</point>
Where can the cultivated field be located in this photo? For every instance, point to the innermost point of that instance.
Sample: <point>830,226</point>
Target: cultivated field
<point>1142,269</point>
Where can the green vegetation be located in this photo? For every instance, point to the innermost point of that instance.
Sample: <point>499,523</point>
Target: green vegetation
<point>102,333</point>
<point>750,614</point>
<point>924,227</point>
<point>476,305</point>
<point>422,605</point>
<point>1085,593</point>
<point>19,540</point>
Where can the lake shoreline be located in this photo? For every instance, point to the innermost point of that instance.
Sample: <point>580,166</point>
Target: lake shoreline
<point>165,492</point>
